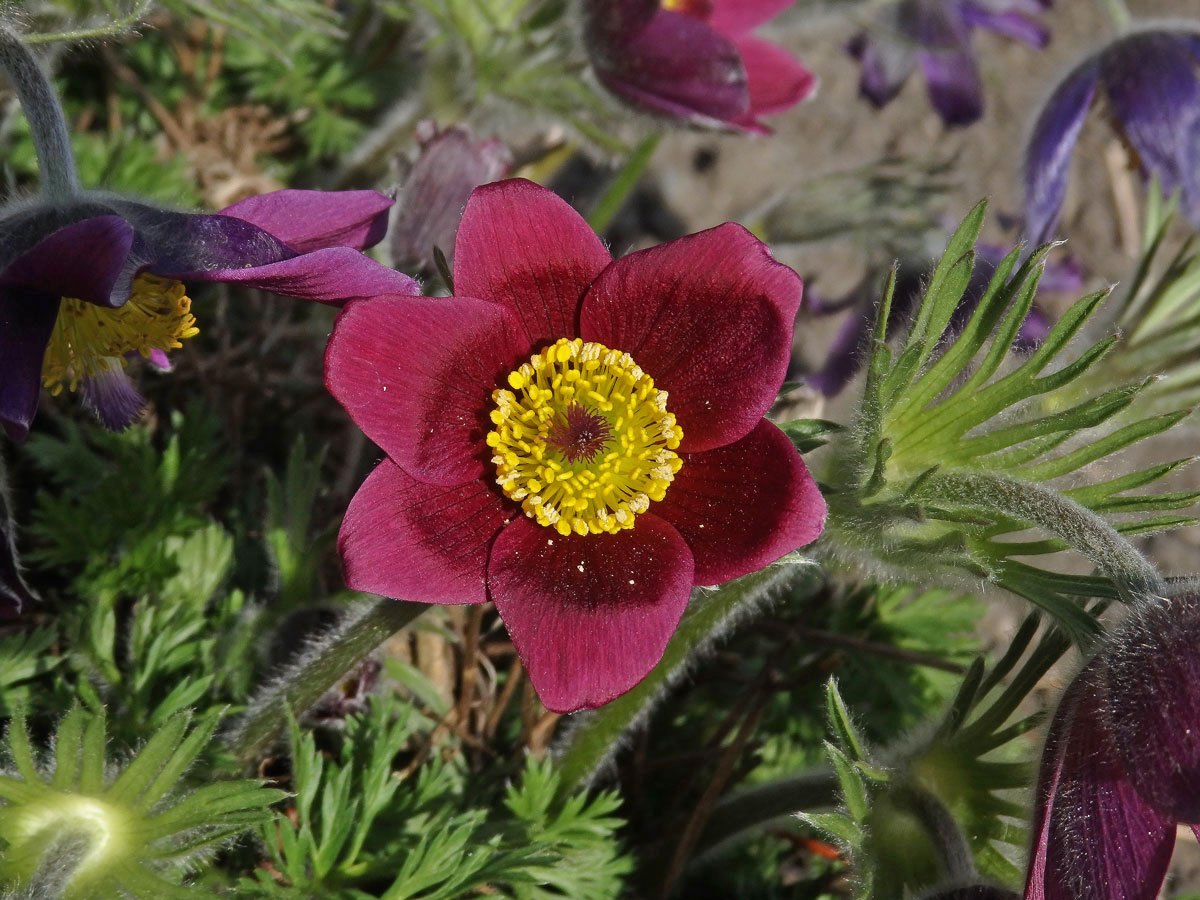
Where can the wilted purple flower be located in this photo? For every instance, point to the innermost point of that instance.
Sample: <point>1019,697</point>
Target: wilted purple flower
<point>1152,89</point>
<point>1121,768</point>
<point>452,163</point>
<point>936,34</point>
<point>695,60</point>
<point>87,282</point>
<point>847,354</point>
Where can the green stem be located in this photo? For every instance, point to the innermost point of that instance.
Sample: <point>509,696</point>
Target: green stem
<point>48,125</point>
<point>742,813</point>
<point>590,743</point>
<point>1118,14</point>
<point>623,183</point>
<point>318,670</point>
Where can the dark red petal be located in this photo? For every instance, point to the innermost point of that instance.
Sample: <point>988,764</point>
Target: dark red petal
<point>335,275</point>
<point>776,79</point>
<point>590,615</point>
<point>312,220</point>
<point>87,260</point>
<point>744,505</point>
<point>1154,703</point>
<point>1095,837</point>
<point>709,318</point>
<point>413,541</point>
<point>417,375</point>
<point>26,323</point>
<point>522,246</point>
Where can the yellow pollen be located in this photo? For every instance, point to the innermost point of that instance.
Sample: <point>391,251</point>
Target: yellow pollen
<point>88,339</point>
<point>583,440</point>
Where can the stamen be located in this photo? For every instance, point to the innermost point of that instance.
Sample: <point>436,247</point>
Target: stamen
<point>583,439</point>
<point>87,338</point>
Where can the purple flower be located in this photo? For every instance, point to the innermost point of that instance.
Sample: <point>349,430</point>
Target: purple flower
<point>452,163</point>
<point>88,282</point>
<point>1121,768</point>
<point>1151,85</point>
<point>695,60</point>
<point>936,34</point>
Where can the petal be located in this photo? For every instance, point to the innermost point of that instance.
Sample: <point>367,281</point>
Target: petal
<point>112,397</point>
<point>952,80</point>
<point>678,66</point>
<point>709,317</point>
<point>1154,93</point>
<point>589,615</point>
<point>1097,837</point>
<point>87,260</point>
<point>742,506</point>
<point>26,323</point>
<point>775,78</point>
<point>1154,704</point>
<point>887,61</point>
<point>409,540</point>
<point>522,246</point>
<point>417,376</point>
<point>1048,153</point>
<point>336,275</point>
<point>451,164</point>
<point>1010,24</point>
<point>311,220</point>
<point>736,17</point>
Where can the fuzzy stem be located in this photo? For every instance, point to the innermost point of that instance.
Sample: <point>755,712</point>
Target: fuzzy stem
<point>307,680</point>
<point>1118,14</point>
<point>623,183</point>
<point>45,116</point>
<point>591,742</point>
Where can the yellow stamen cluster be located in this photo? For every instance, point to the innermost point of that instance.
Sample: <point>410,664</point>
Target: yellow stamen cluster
<point>88,339</point>
<point>622,458</point>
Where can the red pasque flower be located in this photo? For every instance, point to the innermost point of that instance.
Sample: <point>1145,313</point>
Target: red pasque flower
<point>577,439</point>
<point>695,60</point>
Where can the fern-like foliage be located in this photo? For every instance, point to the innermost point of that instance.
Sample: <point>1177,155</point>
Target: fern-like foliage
<point>961,447</point>
<point>76,827</point>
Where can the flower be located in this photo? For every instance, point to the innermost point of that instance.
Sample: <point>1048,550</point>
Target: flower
<point>86,283</point>
<point>1152,88</point>
<point>937,35</point>
<point>576,439</point>
<point>1121,766</point>
<point>695,60</point>
<point>451,164</point>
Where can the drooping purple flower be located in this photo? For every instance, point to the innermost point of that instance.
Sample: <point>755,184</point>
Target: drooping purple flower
<point>847,353</point>
<point>936,35</point>
<point>695,60</point>
<point>1121,768</point>
<point>451,164</point>
<point>88,282</point>
<point>1151,84</point>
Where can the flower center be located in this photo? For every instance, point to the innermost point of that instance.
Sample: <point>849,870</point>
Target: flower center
<point>583,440</point>
<point>88,339</point>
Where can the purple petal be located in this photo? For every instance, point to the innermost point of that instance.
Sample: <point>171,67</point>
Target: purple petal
<point>26,323</point>
<point>112,397</point>
<point>675,65</point>
<point>1048,154</point>
<point>1154,93</point>
<point>886,63</point>
<point>1154,699</point>
<point>312,220</point>
<point>334,275</point>
<point>951,75</point>
<point>87,260</point>
<point>1010,24</point>
<point>451,165</point>
<point>158,359</point>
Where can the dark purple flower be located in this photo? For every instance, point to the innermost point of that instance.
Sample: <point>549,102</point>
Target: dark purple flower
<point>84,284</point>
<point>695,60</point>
<point>452,163</point>
<point>1121,768</point>
<point>1151,84</point>
<point>936,35</point>
<point>848,351</point>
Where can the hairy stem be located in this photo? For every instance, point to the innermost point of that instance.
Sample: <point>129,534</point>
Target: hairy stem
<point>45,115</point>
